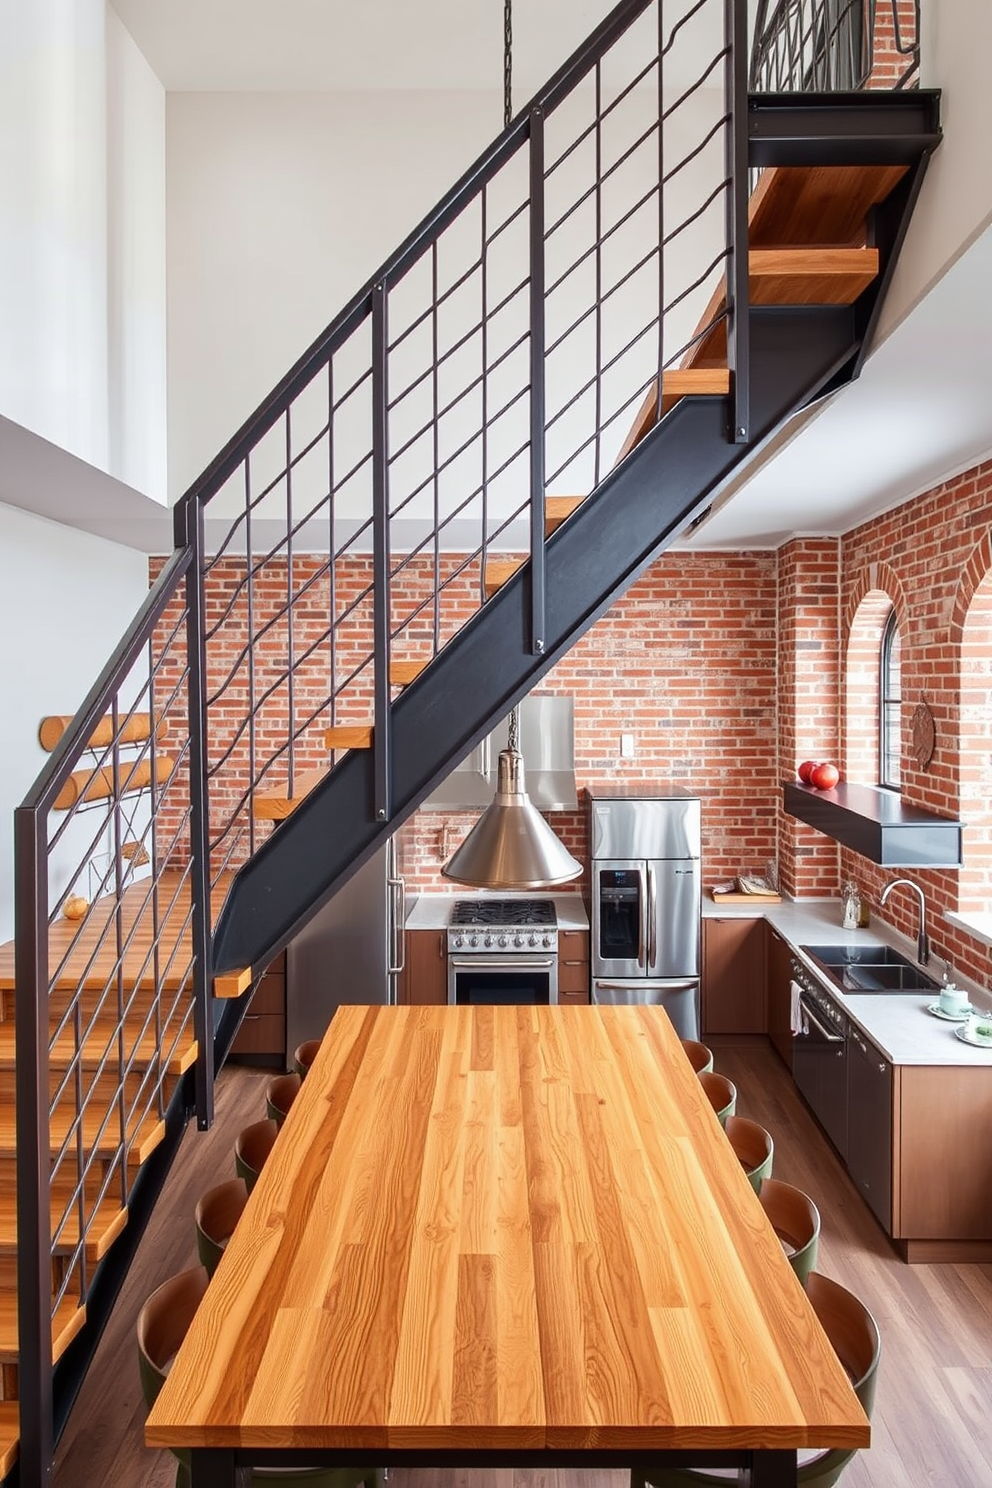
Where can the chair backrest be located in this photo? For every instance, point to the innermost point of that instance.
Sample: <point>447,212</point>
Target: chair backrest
<point>796,1221</point>
<point>305,1056</point>
<point>721,1094</point>
<point>217,1213</point>
<point>698,1055</point>
<point>753,1148</point>
<point>280,1094</point>
<point>252,1148</point>
<point>163,1323</point>
<point>857,1343</point>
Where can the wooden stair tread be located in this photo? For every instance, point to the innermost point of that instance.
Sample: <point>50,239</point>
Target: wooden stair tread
<point>69,1317</point>
<point>278,803</point>
<point>810,276</point>
<point>679,382</point>
<point>10,1435</point>
<point>825,204</point>
<point>98,785</point>
<point>144,1134</point>
<point>133,730</point>
<point>141,1051</point>
<point>558,509</point>
<point>405,670</point>
<point>103,1227</point>
<point>349,736</point>
<point>498,570</point>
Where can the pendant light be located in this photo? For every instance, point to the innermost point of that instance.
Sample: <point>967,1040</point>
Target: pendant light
<point>511,846</point>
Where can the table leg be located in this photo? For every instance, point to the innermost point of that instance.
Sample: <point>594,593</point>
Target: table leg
<point>771,1470</point>
<point>214,1467</point>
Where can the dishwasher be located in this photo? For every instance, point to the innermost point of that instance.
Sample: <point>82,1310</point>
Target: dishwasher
<point>820,1056</point>
<point>869,1157</point>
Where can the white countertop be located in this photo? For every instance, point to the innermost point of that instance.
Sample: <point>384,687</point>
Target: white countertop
<point>898,1023</point>
<point>431,911</point>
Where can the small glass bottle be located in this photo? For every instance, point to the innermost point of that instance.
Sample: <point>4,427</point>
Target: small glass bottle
<point>851,898</point>
<point>864,912</point>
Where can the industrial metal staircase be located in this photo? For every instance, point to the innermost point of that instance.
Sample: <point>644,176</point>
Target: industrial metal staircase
<point>645,274</point>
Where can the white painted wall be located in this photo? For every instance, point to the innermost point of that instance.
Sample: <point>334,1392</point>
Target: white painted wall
<point>65,599</point>
<point>82,282</point>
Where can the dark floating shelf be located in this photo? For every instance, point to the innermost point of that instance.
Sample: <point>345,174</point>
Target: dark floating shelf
<point>878,825</point>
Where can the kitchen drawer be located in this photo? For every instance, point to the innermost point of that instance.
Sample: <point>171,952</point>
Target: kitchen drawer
<point>573,945</point>
<point>261,1033</point>
<point>573,976</point>
<point>574,999</point>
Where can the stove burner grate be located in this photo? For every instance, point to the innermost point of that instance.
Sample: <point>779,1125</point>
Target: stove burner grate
<point>503,912</point>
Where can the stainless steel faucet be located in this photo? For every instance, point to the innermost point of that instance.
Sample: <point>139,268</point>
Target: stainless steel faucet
<point>922,940</point>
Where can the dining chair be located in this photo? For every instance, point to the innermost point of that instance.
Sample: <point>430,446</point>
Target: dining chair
<point>753,1148</point>
<point>698,1055</point>
<point>721,1094</point>
<point>252,1148</point>
<point>855,1339</point>
<point>796,1221</point>
<point>217,1213</point>
<point>163,1323</point>
<point>305,1056</point>
<point>280,1094</point>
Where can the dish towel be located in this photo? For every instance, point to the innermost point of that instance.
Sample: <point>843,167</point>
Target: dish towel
<point>797,1023</point>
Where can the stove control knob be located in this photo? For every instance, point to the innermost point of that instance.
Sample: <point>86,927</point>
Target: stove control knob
<point>474,940</point>
<point>488,940</point>
<point>502,940</point>
<point>457,942</point>
<point>549,940</point>
<point>533,940</point>
<point>518,940</point>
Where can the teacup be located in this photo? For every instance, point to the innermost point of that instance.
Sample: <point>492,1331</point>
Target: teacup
<point>953,1000</point>
<point>980,1026</point>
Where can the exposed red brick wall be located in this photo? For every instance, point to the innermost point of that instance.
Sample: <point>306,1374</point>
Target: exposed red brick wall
<point>933,557</point>
<point>808,642</point>
<point>894,39</point>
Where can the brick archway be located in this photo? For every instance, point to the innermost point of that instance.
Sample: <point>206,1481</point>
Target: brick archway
<point>876,593</point>
<point>971,638</point>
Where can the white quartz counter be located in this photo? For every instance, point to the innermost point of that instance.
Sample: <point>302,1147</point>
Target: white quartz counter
<point>431,911</point>
<point>897,1022</point>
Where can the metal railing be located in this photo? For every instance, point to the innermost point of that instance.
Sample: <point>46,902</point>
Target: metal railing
<point>828,46</point>
<point>596,248</point>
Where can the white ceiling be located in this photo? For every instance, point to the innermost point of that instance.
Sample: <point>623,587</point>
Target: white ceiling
<point>922,409</point>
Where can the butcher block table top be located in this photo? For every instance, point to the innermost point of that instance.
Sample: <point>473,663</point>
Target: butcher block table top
<point>504,1228</point>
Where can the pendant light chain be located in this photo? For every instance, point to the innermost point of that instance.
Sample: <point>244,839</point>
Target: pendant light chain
<point>512,734</point>
<point>507,62</point>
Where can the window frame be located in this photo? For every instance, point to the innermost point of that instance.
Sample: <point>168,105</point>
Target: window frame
<point>886,699</point>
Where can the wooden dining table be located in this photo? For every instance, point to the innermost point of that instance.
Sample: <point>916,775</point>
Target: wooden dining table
<point>503,1236</point>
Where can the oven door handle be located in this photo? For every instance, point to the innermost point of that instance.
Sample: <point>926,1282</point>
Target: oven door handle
<point>831,1038</point>
<point>500,963</point>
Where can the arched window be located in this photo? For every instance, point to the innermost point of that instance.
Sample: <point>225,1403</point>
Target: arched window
<point>890,705</point>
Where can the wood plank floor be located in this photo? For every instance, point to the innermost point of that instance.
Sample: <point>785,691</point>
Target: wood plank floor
<point>931,1422</point>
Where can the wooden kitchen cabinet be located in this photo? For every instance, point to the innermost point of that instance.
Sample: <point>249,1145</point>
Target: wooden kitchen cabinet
<point>261,1039</point>
<point>942,1163</point>
<point>733,993</point>
<point>779,975</point>
<point>424,980</point>
<point>573,966</point>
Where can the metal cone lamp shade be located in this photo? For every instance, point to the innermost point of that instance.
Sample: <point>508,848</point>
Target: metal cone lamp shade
<point>511,846</point>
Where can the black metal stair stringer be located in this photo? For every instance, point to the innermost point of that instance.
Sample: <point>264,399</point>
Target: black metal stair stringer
<point>617,532</point>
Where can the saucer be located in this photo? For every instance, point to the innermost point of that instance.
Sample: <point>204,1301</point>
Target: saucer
<point>938,1012</point>
<point>966,1038</point>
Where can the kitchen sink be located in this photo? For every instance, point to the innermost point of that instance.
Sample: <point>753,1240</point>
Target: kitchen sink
<point>870,969</point>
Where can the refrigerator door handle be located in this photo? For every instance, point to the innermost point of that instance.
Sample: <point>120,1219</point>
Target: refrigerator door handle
<point>642,939</point>
<point>652,919</point>
<point>670,984</point>
<point>397,962</point>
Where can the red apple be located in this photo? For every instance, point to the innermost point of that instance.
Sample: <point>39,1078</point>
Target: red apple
<point>805,770</point>
<point>824,777</point>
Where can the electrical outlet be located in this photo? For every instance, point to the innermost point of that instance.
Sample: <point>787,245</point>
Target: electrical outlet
<point>626,746</point>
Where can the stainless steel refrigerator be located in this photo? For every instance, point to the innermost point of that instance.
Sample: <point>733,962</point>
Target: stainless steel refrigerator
<point>646,901</point>
<point>352,950</point>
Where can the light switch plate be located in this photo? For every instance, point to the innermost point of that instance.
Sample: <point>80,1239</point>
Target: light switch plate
<point>626,746</point>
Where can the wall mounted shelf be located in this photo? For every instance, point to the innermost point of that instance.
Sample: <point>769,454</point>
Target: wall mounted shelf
<point>877,824</point>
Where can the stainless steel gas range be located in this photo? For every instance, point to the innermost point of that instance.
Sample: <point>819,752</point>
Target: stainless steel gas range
<point>503,951</point>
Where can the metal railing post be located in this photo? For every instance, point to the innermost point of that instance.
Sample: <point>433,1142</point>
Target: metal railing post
<point>380,556</point>
<point>738,339</point>
<point>538,618</point>
<point>34,1246</point>
<point>199,825</point>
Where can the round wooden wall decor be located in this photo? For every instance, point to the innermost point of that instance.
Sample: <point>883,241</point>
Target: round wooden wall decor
<point>924,734</point>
